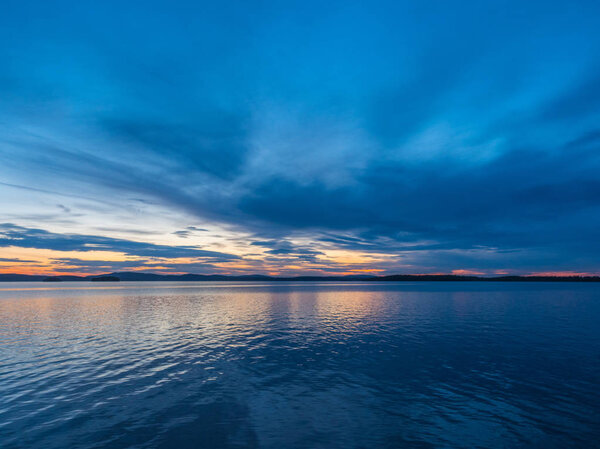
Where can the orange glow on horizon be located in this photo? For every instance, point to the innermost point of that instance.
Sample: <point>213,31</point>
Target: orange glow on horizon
<point>37,270</point>
<point>467,273</point>
<point>46,262</point>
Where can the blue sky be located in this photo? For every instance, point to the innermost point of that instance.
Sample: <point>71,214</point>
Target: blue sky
<point>300,137</point>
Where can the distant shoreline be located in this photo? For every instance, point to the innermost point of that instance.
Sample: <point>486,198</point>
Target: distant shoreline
<point>152,277</point>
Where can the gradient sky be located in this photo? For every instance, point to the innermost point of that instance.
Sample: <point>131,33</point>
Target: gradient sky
<point>300,137</point>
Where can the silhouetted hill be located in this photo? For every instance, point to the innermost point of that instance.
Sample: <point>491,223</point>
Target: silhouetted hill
<point>65,278</point>
<point>547,279</point>
<point>427,277</point>
<point>52,279</point>
<point>105,279</point>
<point>137,276</point>
<point>20,278</point>
<point>190,277</point>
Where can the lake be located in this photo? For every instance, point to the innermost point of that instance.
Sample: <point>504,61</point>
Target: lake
<point>299,365</point>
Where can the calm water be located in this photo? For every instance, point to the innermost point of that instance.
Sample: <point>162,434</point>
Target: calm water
<point>201,365</point>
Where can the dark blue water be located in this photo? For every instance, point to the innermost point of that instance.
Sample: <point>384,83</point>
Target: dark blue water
<point>425,365</point>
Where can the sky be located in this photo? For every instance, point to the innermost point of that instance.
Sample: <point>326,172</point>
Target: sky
<point>293,138</point>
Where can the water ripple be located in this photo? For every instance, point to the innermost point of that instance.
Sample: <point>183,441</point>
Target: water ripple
<point>299,365</point>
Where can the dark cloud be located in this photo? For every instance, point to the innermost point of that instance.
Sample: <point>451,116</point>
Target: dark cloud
<point>9,260</point>
<point>284,252</point>
<point>11,235</point>
<point>185,233</point>
<point>217,145</point>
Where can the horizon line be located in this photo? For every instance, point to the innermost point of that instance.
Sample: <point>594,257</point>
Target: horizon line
<point>477,276</point>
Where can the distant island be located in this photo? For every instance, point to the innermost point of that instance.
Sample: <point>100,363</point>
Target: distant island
<point>152,277</point>
<point>52,279</point>
<point>105,279</point>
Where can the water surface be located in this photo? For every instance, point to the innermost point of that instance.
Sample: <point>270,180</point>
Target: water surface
<point>299,365</point>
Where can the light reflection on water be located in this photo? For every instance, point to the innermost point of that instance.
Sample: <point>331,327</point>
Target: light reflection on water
<point>299,365</point>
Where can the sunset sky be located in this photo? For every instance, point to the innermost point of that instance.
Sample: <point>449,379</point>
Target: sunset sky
<point>329,137</point>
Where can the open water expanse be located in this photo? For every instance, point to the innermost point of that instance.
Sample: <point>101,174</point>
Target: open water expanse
<point>299,365</point>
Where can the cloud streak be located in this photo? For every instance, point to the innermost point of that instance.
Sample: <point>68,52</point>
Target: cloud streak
<point>17,236</point>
